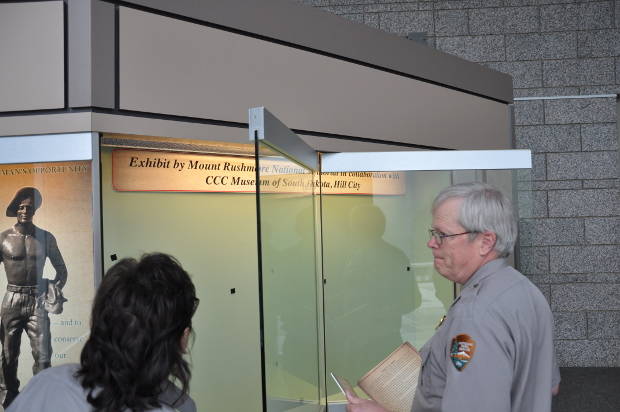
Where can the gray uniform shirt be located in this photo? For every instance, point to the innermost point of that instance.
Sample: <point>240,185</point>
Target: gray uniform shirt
<point>56,389</point>
<point>494,351</point>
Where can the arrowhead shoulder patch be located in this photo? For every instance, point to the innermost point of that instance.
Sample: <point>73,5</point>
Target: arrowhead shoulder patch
<point>462,351</point>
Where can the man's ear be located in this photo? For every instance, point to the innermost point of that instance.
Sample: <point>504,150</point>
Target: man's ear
<point>487,244</point>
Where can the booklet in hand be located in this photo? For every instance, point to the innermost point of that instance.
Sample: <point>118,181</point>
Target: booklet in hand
<point>392,383</point>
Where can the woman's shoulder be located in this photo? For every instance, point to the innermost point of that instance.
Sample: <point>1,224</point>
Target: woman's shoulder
<point>51,387</point>
<point>174,400</point>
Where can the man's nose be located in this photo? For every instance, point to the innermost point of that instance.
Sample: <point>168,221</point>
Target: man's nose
<point>432,243</point>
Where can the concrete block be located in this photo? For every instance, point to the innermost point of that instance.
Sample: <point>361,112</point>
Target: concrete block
<point>599,137</point>
<point>504,20</point>
<point>539,167</point>
<point>556,184</point>
<point>492,3</point>
<point>532,203</point>
<point>586,165</point>
<point>605,89</point>
<point>372,20</point>
<point>578,72</point>
<point>451,22</point>
<point>458,4</point>
<point>547,91</point>
<point>382,7</point>
<point>403,23</point>
<point>533,260</point>
<point>314,3</point>
<point>539,46</point>
<point>476,49</point>
<point>570,325</point>
<point>604,325</point>
<point>358,18</point>
<point>585,296</point>
<point>545,289</point>
<point>572,278</point>
<point>546,232</point>
<point>585,259</point>
<point>588,353</point>
<point>601,184</point>
<point>586,202</point>
<point>566,111</point>
<point>529,112</point>
<point>599,43</point>
<point>344,9</point>
<point>538,171</point>
<point>560,138</point>
<point>524,74</point>
<point>348,2</point>
<point>596,15</point>
<point>582,16</point>
<point>602,230</point>
<point>425,4</point>
<point>515,3</point>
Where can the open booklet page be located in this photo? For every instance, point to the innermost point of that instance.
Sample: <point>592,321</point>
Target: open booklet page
<point>393,381</point>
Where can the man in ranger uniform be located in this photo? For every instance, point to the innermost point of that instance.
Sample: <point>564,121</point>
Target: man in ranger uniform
<point>24,249</point>
<point>493,351</point>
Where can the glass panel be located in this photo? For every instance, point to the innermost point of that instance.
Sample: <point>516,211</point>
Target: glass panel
<point>289,283</point>
<point>45,236</point>
<point>381,287</point>
<point>204,214</point>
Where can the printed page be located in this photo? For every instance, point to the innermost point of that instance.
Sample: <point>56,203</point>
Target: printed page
<point>392,382</point>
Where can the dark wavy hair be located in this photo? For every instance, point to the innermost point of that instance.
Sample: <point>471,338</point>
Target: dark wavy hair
<point>139,316</point>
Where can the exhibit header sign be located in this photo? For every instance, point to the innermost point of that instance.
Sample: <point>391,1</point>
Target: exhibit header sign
<point>156,171</point>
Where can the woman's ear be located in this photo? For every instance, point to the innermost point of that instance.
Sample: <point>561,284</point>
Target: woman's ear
<point>185,339</point>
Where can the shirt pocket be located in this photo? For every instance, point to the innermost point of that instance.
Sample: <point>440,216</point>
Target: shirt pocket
<point>425,371</point>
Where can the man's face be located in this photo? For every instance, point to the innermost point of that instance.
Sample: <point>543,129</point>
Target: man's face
<point>25,210</point>
<point>456,258</point>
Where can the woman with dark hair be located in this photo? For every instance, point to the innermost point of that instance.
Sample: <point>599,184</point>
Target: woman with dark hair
<point>140,327</point>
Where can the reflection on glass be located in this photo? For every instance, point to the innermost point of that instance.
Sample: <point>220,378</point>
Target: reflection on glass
<point>381,286</point>
<point>214,236</point>
<point>289,283</point>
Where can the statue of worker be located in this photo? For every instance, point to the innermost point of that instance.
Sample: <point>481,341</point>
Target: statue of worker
<point>29,297</point>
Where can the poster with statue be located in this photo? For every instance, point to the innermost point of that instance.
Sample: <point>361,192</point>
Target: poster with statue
<point>46,268</point>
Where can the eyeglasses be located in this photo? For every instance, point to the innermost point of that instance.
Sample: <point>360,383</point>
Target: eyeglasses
<point>439,236</point>
<point>196,303</point>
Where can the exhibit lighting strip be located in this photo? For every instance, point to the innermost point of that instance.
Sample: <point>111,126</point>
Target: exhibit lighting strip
<point>427,160</point>
<point>177,145</point>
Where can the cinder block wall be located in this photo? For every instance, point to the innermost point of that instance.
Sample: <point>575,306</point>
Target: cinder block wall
<point>570,242</point>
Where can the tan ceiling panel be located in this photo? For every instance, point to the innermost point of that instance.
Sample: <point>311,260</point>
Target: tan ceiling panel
<point>31,56</point>
<point>174,67</point>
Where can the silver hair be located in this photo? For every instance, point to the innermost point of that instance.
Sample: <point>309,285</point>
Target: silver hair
<point>484,208</point>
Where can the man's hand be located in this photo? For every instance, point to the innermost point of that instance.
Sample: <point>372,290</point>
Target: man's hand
<point>555,390</point>
<point>362,405</point>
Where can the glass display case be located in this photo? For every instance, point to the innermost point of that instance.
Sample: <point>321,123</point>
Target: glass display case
<point>338,241</point>
<point>346,273</point>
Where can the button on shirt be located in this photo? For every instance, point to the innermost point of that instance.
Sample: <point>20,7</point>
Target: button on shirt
<point>494,351</point>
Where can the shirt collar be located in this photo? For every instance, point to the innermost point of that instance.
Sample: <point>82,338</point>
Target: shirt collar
<point>485,271</point>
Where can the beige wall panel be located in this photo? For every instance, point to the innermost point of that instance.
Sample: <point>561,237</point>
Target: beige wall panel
<point>108,123</point>
<point>45,124</point>
<point>174,67</point>
<point>32,56</point>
